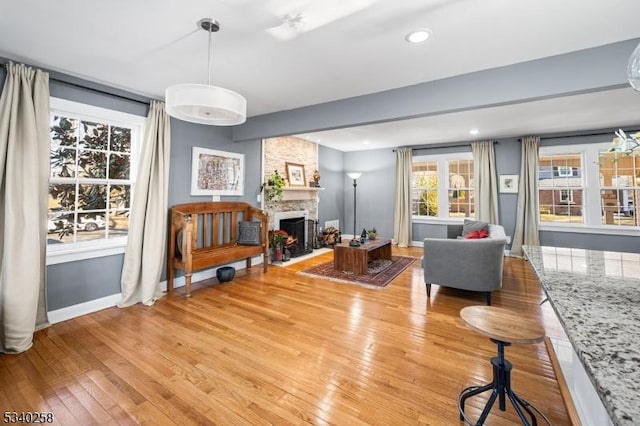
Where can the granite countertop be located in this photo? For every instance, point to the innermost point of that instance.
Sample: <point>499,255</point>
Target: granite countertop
<point>596,296</point>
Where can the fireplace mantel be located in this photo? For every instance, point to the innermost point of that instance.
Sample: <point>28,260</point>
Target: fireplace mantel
<point>300,193</point>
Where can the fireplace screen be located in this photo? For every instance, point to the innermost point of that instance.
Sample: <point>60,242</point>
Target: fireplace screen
<point>302,235</point>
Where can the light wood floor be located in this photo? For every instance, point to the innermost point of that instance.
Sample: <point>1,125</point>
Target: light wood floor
<point>281,348</point>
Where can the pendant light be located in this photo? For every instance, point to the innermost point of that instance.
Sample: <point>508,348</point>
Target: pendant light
<point>633,69</point>
<point>204,103</point>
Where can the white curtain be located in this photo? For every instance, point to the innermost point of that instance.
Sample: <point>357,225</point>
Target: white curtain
<point>24,174</point>
<point>146,244</point>
<point>402,221</point>
<point>526,232</point>
<point>485,182</point>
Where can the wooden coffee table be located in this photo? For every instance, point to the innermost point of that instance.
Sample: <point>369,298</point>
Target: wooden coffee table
<point>356,259</point>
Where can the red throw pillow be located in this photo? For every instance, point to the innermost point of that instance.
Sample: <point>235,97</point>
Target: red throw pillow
<point>474,235</point>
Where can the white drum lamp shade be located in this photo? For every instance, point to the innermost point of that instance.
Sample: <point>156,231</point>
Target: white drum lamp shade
<point>633,69</point>
<point>204,104</point>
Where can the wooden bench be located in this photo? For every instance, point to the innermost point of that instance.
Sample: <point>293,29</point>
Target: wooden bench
<point>203,235</point>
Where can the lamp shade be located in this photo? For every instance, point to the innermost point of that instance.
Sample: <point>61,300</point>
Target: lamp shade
<point>354,175</point>
<point>633,69</point>
<point>204,104</point>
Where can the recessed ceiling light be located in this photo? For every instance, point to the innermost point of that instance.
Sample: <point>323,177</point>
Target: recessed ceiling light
<point>474,131</point>
<point>418,36</point>
<point>366,142</point>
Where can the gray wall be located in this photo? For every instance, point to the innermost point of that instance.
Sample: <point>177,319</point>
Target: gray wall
<point>331,168</point>
<point>375,193</point>
<point>508,153</point>
<point>185,136</point>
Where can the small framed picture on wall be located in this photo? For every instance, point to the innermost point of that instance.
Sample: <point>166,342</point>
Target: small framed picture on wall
<point>509,184</point>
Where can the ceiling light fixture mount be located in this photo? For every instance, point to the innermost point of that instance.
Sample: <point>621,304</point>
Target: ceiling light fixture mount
<point>204,103</point>
<point>418,36</point>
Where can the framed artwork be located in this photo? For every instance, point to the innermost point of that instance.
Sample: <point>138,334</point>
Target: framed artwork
<point>509,183</point>
<point>216,172</point>
<point>295,174</point>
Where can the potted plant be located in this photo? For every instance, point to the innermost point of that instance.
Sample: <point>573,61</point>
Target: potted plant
<point>277,240</point>
<point>273,187</point>
<point>373,233</point>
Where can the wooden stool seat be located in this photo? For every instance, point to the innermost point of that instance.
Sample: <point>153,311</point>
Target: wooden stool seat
<point>503,327</point>
<point>502,324</point>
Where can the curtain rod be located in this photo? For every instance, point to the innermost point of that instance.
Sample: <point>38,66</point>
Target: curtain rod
<point>440,145</point>
<point>558,136</point>
<point>3,64</point>
<point>579,135</point>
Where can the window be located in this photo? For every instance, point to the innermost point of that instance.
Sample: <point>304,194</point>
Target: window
<point>425,188</point>
<point>585,185</point>
<point>619,178</point>
<point>93,159</point>
<point>443,186</point>
<point>560,188</point>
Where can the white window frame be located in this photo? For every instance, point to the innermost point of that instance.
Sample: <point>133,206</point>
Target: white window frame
<point>591,209</point>
<point>70,252</point>
<point>443,192</point>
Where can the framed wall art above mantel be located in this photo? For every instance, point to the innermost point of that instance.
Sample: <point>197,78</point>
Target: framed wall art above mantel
<point>216,172</point>
<point>295,174</point>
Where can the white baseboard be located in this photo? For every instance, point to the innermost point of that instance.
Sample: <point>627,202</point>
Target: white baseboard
<point>85,308</point>
<point>209,273</point>
<point>96,305</point>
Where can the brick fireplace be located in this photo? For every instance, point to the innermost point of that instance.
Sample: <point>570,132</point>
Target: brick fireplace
<point>276,153</point>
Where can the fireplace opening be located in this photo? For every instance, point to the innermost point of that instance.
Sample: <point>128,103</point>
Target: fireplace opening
<point>296,227</point>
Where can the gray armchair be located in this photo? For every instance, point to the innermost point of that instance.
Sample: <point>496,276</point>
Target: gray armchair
<point>474,265</point>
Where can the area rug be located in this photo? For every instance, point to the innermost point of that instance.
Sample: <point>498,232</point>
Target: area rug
<point>381,272</point>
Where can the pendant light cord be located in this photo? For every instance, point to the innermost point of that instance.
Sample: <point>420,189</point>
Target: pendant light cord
<point>209,57</point>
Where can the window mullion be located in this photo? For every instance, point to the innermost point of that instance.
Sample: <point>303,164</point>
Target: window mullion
<point>591,202</point>
<point>443,188</point>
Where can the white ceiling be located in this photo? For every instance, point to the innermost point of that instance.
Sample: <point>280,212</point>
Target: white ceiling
<point>342,48</point>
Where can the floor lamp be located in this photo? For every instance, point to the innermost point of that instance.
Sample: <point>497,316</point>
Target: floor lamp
<point>354,241</point>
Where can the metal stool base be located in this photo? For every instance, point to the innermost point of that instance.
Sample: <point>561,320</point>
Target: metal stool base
<point>501,389</point>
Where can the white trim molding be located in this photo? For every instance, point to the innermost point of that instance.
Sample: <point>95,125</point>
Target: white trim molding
<point>73,311</point>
